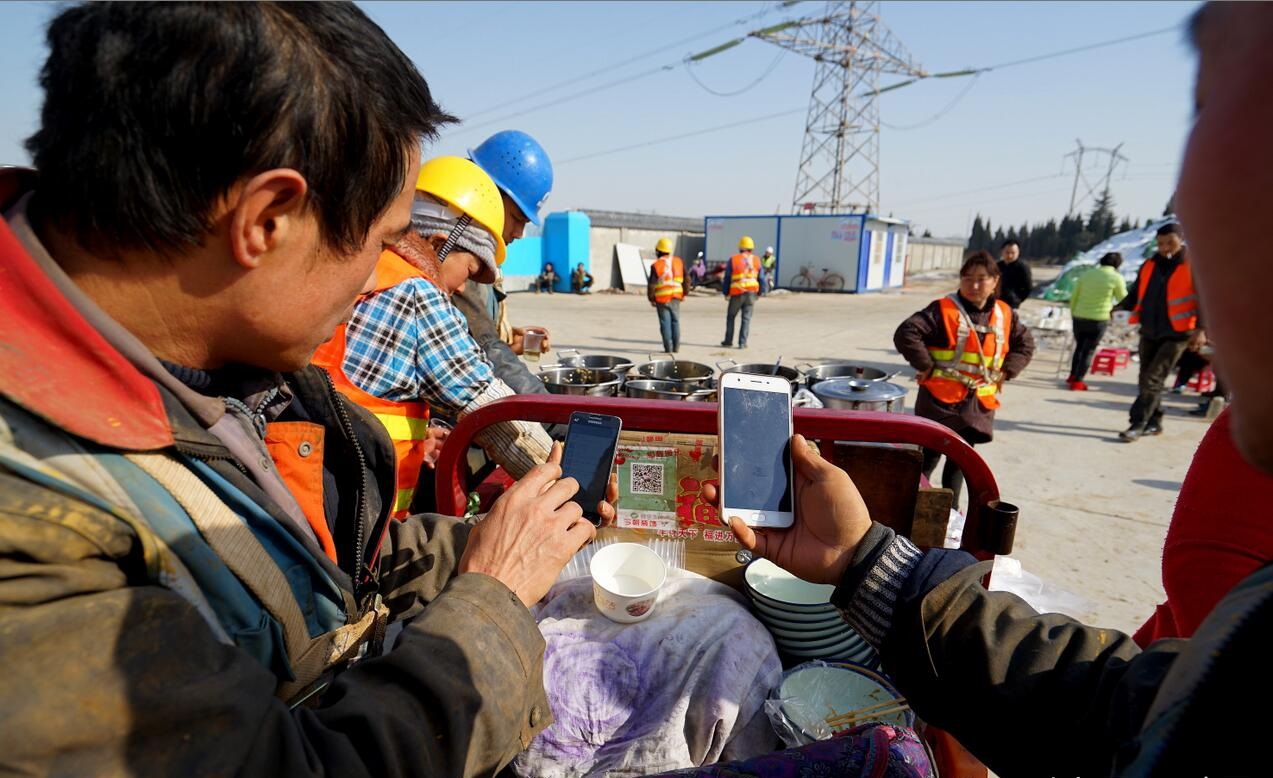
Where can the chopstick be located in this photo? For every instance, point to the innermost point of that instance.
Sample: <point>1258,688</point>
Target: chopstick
<point>868,713</point>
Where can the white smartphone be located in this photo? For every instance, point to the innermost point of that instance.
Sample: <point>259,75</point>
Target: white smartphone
<point>755,449</point>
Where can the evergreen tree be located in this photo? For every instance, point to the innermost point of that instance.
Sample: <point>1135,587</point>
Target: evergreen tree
<point>997,241</point>
<point>1100,225</point>
<point>1126,225</point>
<point>928,233</point>
<point>978,236</point>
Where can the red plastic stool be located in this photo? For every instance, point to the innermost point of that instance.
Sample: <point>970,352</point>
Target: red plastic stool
<point>1203,381</point>
<point>1104,363</point>
<point>1122,356</point>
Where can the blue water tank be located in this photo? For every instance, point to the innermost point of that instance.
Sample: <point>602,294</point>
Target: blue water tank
<point>566,236</point>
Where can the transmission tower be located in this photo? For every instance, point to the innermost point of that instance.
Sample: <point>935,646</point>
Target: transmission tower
<point>1098,185</point>
<point>840,159</point>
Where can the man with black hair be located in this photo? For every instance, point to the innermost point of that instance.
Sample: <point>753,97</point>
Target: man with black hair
<point>195,542</point>
<point>1015,281</point>
<point>1165,304</point>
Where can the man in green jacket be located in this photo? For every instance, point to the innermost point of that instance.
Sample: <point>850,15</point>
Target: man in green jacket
<point>1033,694</point>
<point>197,566</point>
<point>1095,294</point>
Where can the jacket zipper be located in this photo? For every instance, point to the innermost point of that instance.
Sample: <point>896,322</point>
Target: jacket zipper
<point>358,577</point>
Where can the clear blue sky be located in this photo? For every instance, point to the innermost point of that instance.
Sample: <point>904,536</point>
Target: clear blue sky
<point>1011,126</point>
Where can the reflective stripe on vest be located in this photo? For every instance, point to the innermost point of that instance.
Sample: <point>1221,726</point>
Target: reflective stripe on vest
<point>671,274</point>
<point>407,423</point>
<point>968,361</point>
<point>1182,299</point>
<point>744,275</point>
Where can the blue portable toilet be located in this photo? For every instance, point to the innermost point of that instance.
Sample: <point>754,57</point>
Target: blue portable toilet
<point>566,244</point>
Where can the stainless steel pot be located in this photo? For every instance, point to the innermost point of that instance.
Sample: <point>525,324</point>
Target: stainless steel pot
<point>580,380</point>
<point>825,370</point>
<point>572,358</point>
<point>851,394</point>
<point>692,374</point>
<point>650,389</point>
<point>761,368</point>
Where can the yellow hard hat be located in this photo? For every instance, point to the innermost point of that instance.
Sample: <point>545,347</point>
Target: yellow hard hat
<point>464,186</point>
<point>664,246</point>
<point>746,243</point>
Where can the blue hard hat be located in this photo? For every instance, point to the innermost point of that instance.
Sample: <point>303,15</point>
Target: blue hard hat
<point>520,168</point>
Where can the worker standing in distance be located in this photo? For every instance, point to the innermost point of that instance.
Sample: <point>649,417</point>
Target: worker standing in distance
<point>741,284</point>
<point>667,286</point>
<point>521,170</point>
<point>769,263</point>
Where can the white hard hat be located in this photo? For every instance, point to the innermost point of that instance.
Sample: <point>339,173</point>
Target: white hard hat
<point>700,253</point>
<point>769,249</point>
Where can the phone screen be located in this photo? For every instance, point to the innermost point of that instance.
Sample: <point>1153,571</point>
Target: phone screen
<point>757,431</point>
<point>588,458</point>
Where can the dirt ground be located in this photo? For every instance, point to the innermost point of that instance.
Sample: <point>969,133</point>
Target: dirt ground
<point>1094,510</point>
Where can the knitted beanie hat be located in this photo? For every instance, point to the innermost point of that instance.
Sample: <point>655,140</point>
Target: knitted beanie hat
<point>432,217</point>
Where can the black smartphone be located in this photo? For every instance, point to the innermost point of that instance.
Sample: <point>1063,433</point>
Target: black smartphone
<point>588,457</point>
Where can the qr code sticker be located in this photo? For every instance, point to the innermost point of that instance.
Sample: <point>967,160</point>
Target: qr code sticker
<point>647,478</point>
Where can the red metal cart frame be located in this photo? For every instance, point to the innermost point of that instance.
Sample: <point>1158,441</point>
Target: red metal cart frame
<point>987,531</point>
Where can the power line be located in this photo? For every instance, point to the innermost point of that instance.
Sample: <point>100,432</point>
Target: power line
<point>762,77</point>
<point>654,142</point>
<point>992,187</point>
<point>1027,60</point>
<point>945,110</point>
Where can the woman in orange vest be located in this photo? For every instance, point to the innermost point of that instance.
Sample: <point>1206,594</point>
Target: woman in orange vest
<point>666,288</point>
<point>964,347</point>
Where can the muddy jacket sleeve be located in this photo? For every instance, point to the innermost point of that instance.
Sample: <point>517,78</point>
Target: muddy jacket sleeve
<point>912,337</point>
<point>106,674</point>
<point>1019,689</point>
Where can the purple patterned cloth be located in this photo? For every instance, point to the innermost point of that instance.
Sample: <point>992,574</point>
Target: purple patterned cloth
<point>871,751</point>
<point>684,687</point>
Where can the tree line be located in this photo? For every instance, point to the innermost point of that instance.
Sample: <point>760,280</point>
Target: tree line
<point>1054,240</point>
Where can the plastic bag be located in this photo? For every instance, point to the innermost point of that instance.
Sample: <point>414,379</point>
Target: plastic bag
<point>1044,597</point>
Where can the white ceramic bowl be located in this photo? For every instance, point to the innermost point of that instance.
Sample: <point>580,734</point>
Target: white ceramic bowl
<point>810,692</point>
<point>782,632</point>
<point>782,589</point>
<point>765,611</point>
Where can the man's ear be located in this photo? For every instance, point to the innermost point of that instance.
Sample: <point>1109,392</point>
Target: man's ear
<point>436,240</point>
<point>264,213</point>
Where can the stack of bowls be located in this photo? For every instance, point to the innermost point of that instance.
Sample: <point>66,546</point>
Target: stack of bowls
<point>800,616</point>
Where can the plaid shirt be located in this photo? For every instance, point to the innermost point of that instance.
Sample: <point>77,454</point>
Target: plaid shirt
<point>409,342</point>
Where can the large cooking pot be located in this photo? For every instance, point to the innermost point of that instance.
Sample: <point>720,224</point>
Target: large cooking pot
<point>650,389</point>
<point>824,370</point>
<point>580,380</point>
<point>693,374</point>
<point>761,368</point>
<point>851,394</point>
<point>572,358</point>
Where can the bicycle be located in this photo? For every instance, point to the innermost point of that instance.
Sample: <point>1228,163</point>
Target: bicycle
<point>829,282</point>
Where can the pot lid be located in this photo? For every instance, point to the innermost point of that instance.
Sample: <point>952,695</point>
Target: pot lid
<point>855,390</point>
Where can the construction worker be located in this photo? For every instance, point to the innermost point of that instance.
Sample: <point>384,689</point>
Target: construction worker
<point>520,167</point>
<point>742,283</point>
<point>769,262</point>
<point>666,287</point>
<point>406,347</point>
<point>1165,304</point>
<point>169,605</point>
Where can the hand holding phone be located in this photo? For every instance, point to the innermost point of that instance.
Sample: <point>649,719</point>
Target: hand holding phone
<point>755,450</point>
<point>591,440</point>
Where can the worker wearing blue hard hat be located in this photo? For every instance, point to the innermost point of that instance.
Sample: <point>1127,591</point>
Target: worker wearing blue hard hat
<point>522,171</point>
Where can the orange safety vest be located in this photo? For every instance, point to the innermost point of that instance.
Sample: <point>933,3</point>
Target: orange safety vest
<point>1182,298</point>
<point>967,361</point>
<point>744,275</point>
<point>670,271</point>
<point>406,422</point>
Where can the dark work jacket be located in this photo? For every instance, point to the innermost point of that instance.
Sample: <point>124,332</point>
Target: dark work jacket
<point>1042,694</point>
<point>926,328</point>
<point>508,368</point>
<point>1015,282</point>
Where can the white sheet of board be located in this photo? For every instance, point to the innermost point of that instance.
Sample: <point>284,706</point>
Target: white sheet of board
<point>633,271</point>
